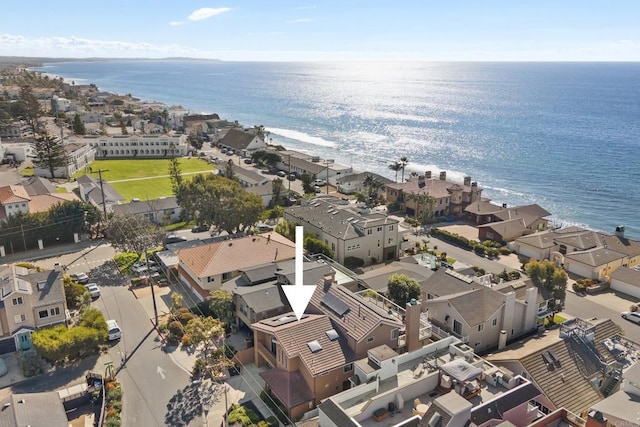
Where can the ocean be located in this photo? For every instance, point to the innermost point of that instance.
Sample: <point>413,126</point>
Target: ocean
<point>563,135</point>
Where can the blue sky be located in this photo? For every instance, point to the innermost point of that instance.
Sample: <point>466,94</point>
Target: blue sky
<point>245,30</point>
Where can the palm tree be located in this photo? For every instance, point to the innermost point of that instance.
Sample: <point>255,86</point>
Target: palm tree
<point>404,161</point>
<point>372,184</point>
<point>424,205</point>
<point>395,166</point>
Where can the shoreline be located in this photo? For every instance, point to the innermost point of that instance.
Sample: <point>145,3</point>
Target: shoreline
<point>497,192</point>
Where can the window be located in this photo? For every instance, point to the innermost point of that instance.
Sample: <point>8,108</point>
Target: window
<point>369,231</point>
<point>457,327</point>
<point>211,279</point>
<point>379,228</point>
<point>226,276</point>
<point>19,318</point>
<point>391,228</point>
<point>481,327</point>
<point>563,249</point>
<point>54,311</point>
<point>370,339</point>
<point>17,301</point>
<point>495,322</point>
<point>43,313</point>
<point>395,333</point>
<point>348,367</point>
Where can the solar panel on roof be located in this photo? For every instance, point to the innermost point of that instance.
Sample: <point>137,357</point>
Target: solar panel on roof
<point>314,346</point>
<point>332,334</point>
<point>335,304</point>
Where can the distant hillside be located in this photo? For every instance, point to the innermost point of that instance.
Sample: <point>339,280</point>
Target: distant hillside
<point>39,61</point>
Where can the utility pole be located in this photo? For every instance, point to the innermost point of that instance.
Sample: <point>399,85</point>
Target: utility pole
<point>104,202</point>
<point>24,241</point>
<point>153,293</point>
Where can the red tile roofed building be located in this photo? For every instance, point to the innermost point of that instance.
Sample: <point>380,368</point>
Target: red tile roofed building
<point>205,267</point>
<point>450,198</point>
<point>13,200</point>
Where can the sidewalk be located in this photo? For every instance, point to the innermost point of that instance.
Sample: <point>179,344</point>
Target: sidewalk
<point>48,252</point>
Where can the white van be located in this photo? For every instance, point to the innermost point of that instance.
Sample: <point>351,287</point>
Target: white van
<point>114,330</point>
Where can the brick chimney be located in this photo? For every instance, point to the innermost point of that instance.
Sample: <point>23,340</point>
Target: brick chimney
<point>421,181</point>
<point>467,181</point>
<point>412,325</point>
<point>427,174</point>
<point>596,419</point>
<point>443,176</point>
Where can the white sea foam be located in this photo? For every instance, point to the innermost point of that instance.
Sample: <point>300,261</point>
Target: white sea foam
<point>302,137</point>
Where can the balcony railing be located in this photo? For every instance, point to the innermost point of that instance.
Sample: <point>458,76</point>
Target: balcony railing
<point>266,353</point>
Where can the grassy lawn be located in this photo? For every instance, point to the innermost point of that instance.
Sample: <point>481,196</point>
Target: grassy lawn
<point>144,189</point>
<point>28,171</point>
<point>61,190</point>
<point>140,168</point>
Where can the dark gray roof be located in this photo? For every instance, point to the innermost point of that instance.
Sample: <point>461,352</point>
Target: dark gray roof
<point>313,272</point>
<point>33,409</point>
<point>145,206</point>
<point>505,402</point>
<point>261,273</point>
<point>442,283</point>
<point>264,299</point>
<point>37,185</point>
<point>336,414</point>
<point>359,177</point>
<point>379,278</point>
<point>478,305</point>
<point>237,139</point>
<point>94,193</point>
<point>627,275</point>
<point>53,290</point>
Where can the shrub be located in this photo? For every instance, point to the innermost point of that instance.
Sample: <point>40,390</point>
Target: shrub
<point>176,329</point>
<point>30,363</point>
<point>272,421</point>
<point>186,341</point>
<point>352,262</point>
<point>184,315</point>
<point>125,261</point>
<point>28,265</point>
<point>454,238</point>
<point>115,394</point>
<point>633,308</point>
<point>514,275</point>
<point>479,250</point>
<point>579,287</point>
<point>240,414</point>
<point>505,251</point>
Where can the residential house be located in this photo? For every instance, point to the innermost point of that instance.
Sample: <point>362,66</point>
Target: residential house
<point>378,279</point>
<point>372,237</point>
<point>449,198</point>
<point>485,317</point>
<point>242,142</point>
<point>564,360</point>
<point>317,168</point>
<point>247,178</point>
<point>163,210</point>
<point>136,146</point>
<point>582,252</point>
<point>78,156</point>
<point>441,384</point>
<point>15,199</point>
<point>622,407</point>
<point>33,409</point>
<point>626,280</point>
<point>309,360</point>
<point>484,212</point>
<point>36,185</point>
<point>364,324</point>
<point>91,190</point>
<point>203,268</point>
<point>18,129</point>
<point>29,300</point>
<point>354,182</point>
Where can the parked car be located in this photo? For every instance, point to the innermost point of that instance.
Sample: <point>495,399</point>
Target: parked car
<point>174,238</point>
<point>316,189</point>
<point>247,161</point>
<point>93,289</point>
<point>200,228</point>
<point>281,174</point>
<point>291,177</point>
<point>80,278</point>
<point>320,182</point>
<point>115,333</point>
<point>631,315</point>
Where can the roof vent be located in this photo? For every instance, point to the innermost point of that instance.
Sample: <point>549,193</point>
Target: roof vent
<point>314,346</point>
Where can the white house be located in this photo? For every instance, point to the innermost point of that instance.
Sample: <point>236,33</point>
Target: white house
<point>142,146</point>
<point>242,142</point>
<point>78,155</point>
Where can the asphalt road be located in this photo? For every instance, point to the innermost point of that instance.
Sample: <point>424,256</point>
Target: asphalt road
<point>157,392</point>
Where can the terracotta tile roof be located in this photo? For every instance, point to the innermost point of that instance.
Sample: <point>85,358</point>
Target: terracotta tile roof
<point>236,254</point>
<point>360,318</point>
<point>44,202</point>
<point>13,194</point>
<point>295,335</point>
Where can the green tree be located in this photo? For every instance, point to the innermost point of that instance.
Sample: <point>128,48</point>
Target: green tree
<point>206,333</point>
<point>123,128</point>
<point>404,161</point>
<point>402,288</point>
<point>306,179</point>
<point>75,294</point>
<point>221,305</point>
<point>78,125</point>
<point>92,318</point>
<point>395,166</point>
<point>175,174</point>
<point>49,153</point>
<point>373,186</point>
<point>277,187</point>
<point>132,233</point>
<point>32,108</point>
<point>545,273</point>
<point>313,245</point>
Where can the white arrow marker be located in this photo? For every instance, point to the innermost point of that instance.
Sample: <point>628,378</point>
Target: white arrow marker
<point>161,372</point>
<point>299,294</point>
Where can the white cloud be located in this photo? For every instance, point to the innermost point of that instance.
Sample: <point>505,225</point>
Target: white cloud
<point>176,23</point>
<point>298,21</point>
<point>207,12</point>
